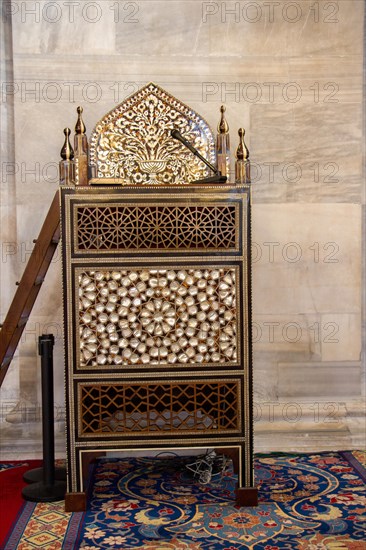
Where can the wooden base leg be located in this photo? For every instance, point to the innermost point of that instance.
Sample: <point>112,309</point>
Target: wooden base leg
<point>233,454</point>
<point>246,496</point>
<point>87,459</point>
<point>75,502</point>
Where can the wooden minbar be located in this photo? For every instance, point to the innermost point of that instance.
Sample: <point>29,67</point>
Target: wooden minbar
<point>156,282</point>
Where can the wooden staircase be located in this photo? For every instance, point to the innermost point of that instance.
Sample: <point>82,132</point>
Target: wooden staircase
<point>45,246</point>
<point>29,286</point>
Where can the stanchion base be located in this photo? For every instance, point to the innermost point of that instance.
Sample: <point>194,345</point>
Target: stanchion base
<point>32,476</point>
<point>38,492</point>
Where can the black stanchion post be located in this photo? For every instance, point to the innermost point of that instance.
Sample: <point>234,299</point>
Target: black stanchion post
<point>45,350</point>
<point>48,489</point>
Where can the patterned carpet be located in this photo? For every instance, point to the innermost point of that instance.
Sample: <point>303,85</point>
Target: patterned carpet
<point>307,502</point>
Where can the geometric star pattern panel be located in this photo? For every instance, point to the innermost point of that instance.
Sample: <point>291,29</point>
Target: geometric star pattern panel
<point>156,227</point>
<point>145,317</point>
<point>151,407</point>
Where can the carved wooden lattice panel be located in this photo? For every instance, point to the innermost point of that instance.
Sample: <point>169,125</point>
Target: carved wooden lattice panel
<point>133,142</point>
<point>170,227</point>
<point>151,407</point>
<point>157,316</point>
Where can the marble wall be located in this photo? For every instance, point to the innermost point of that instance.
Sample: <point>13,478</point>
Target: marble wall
<point>291,73</point>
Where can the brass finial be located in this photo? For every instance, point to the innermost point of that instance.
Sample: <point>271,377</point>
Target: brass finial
<point>223,127</point>
<point>67,152</point>
<point>242,152</point>
<point>80,126</point>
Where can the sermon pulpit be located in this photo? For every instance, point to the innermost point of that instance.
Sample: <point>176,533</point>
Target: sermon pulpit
<point>156,285</point>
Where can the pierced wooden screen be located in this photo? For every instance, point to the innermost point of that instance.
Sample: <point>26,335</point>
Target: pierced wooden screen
<point>156,228</point>
<point>151,407</point>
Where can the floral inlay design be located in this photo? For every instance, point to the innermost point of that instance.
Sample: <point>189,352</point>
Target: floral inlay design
<point>133,142</point>
<point>157,316</point>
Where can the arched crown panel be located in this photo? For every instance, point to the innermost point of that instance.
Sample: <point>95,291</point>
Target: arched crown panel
<point>133,142</point>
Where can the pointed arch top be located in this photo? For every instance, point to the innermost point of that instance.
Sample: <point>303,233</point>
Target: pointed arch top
<point>133,142</point>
